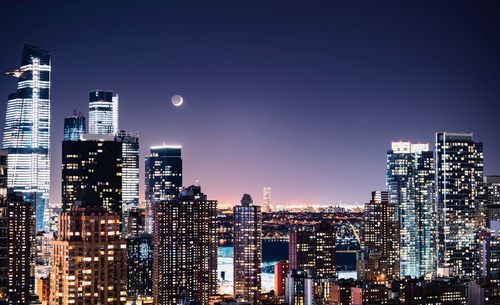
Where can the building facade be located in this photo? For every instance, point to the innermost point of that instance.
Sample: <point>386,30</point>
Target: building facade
<point>140,265</point>
<point>96,162</point>
<point>74,127</point>
<point>103,112</point>
<point>410,181</point>
<point>247,243</point>
<point>185,249</point>
<point>163,177</point>
<point>27,131</point>
<point>130,169</point>
<point>88,256</point>
<point>460,197</point>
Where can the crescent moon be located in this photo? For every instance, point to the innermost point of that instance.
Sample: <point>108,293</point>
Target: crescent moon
<point>177,100</point>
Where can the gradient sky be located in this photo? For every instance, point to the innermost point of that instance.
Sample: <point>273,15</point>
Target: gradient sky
<point>302,96</point>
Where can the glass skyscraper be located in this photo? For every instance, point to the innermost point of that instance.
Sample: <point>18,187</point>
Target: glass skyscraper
<point>74,127</point>
<point>27,131</point>
<point>103,112</point>
<point>163,175</point>
<point>410,185</point>
<point>130,169</point>
<point>460,196</point>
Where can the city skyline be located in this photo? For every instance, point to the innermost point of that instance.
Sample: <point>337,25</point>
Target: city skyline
<point>261,99</point>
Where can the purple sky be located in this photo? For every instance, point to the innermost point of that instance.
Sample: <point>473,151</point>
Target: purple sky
<point>301,96</point>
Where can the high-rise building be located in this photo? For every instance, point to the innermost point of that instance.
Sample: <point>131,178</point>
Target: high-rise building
<point>313,248</point>
<point>381,239</point>
<point>74,127</point>
<point>460,197</point>
<point>103,112</point>
<point>139,265</point>
<point>4,229</point>
<point>163,175</point>
<point>135,222</point>
<point>185,249</point>
<point>247,244</point>
<point>280,272</point>
<point>130,169</point>
<point>266,203</point>
<point>410,180</point>
<point>88,256</point>
<point>492,208</point>
<point>20,244</point>
<point>94,161</point>
<point>27,131</point>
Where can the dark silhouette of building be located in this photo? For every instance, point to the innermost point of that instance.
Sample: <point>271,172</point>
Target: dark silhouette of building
<point>185,248</point>
<point>139,265</point>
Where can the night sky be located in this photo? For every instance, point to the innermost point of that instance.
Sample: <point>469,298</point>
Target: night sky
<point>301,96</point>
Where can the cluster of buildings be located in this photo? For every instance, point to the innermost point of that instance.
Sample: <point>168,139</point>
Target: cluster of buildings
<point>432,237</point>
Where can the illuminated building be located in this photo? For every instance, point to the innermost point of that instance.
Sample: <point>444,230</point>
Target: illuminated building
<point>139,265</point>
<point>442,291</point>
<point>20,228</point>
<point>136,221</point>
<point>163,175</point>
<point>369,294</point>
<point>303,287</point>
<point>280,272</point>
<point>340,292</point>
<point>94,161</point>
<point>489,254</point>
<point>410,181</point>
<point>185,248</point>
<point>130,169</point>
<point>88,256</point>
<point>460,196</point>
<point>43,252</point>
<point>103,112</point>
<point>313,249</point>
<point>27,131</point>
<point>492,208</point>
<point>381,239</point>
<point>247,241</point>
<point>484,294</point>
<point>74,127</point>
<point>266,203</point>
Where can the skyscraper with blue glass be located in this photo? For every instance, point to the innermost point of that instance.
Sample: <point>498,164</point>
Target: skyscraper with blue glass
<point>74,127</point>
<point>27,131</point>
<point>410,185</point>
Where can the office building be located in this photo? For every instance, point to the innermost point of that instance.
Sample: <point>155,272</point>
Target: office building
<point>410,180</point>
<point>185,249</point>
<point>280,272</point>
<point>381,239</point>
<point>94,161</point>
<point>26,134</point>
<point>247,244</point>
<point>139,265</point>
<point>445,291</point>
<point>460,197</point>
<point>103,112</point>
<point>313,248</point>
<point>163,177</point>
<point>74,127</point>
<point>135,222</point>
<point>130,169</point>
<point>266,203</point>
<point>20,244</point>
<point>88,256</point>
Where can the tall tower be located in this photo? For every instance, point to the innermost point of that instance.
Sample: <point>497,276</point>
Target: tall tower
<point>410,184</point>
<point>381,238</point>
<point>74,127</point>
<point>130,169</point>
<point>247,250</point>
<point>185,249</point>
<point>103,112</point>
<point>88,257</point>
<point>94,161</point>
<point>27,131</point>
<point>460,197</point>
<point>266,203</point>
<point>163,175</point>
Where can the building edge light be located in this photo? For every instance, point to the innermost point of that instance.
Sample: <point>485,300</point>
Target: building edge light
<point>166,146</point>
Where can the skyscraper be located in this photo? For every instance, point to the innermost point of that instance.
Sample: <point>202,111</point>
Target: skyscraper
<point>266,203</point>
<point>94,161</point>
<point>88,257</point>
<point>20,244</point>
<point>130,169</point>
<point>139,265</point>
<point>381,239</point>
<point>103,112</point>
<point>313,248</point>
<point>410,184</point>
<point>185,249</point>
<point>247,243</point>
<point>27,131</point>
<point>163,175</point>
<point>74,127</point>
<point>460,196</point>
